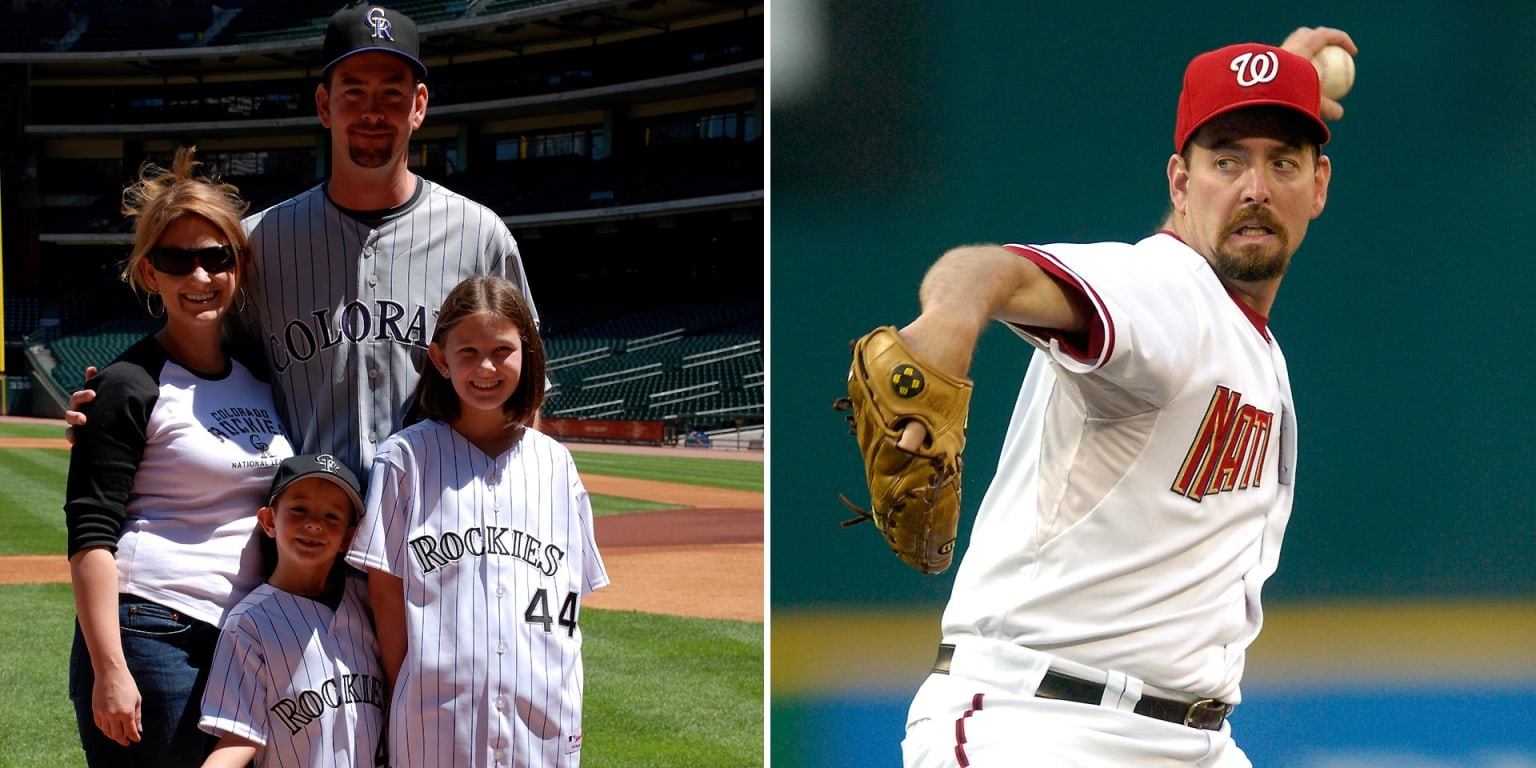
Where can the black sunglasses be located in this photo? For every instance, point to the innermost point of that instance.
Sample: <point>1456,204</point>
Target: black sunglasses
<point>181,261</point>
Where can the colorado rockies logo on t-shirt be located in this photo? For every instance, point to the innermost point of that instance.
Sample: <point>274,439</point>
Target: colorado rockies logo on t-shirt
<point>907,380</point>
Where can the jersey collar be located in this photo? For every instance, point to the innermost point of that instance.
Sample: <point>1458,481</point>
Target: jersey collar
<point>1260,322</point>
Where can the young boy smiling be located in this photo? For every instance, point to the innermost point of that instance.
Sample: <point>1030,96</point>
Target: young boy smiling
<point>296,678</point>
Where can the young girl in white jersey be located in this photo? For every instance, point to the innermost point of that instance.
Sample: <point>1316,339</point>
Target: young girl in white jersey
<point>479,546</point>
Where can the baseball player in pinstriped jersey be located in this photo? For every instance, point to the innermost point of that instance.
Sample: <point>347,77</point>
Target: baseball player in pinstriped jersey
<point>296,678</point>
<point>346,306</point>
<point>352,270</point>
<point>479,546</point>
<point>1102,612</point>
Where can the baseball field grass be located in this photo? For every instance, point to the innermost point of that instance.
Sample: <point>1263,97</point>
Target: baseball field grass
<point>661,691</point>
<point>717,473</point>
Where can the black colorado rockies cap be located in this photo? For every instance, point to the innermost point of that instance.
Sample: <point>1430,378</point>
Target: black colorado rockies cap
<point>362,28</point>
<point>321,465</point>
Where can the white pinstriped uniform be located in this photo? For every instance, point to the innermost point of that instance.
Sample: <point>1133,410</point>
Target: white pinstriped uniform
<point>1139,505</point>
<point>345,309</point>
<point>299,678</point>
<point>496,553</point>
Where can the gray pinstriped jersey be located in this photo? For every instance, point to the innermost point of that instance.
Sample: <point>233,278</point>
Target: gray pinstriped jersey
<point>345,309</point>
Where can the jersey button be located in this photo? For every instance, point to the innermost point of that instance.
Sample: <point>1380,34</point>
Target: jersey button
<point>373,373</point>
<point>501,703</point>
<point>500,590</point>
<point>367,251</point>
<point>373,279</point>
<point>501,647</point>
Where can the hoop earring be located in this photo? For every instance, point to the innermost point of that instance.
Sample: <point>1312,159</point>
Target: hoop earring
<point>241,308</point>
<point>149,305</point>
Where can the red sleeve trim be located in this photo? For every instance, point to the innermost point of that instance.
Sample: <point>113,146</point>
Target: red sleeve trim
<point>1101,328</point>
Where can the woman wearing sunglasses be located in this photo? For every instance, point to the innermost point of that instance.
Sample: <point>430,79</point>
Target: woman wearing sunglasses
<point>165,480</point>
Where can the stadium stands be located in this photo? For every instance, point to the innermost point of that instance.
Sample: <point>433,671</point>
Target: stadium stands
<point>699,361</point>
<point>111,27</point>
<point>276,20</point>
<point>95,347</point>
<point>22,315</point>
<point>619,139</point>
<point>707,367</point>
<point>34,30</point>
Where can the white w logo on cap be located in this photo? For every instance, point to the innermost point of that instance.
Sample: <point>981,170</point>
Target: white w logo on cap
<point>1253,69</point>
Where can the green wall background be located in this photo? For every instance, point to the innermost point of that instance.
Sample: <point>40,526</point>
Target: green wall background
<point>1406,318</point>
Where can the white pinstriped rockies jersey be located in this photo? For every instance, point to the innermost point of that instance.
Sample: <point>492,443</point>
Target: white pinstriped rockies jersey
<point>345,309</point>
<point>299,678</point>
<point>1145,484</point>
<point>496,553</point>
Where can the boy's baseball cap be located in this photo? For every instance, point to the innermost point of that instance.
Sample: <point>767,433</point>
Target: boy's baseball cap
<point>362,28</point>
<point>1246,75</point>
<point>321,465</point>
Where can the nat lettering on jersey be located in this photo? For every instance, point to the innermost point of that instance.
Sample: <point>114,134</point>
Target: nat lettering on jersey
<point>434,552</point>
<point>299,711</point>
<point>1229,448</point>
<point>355,323</point>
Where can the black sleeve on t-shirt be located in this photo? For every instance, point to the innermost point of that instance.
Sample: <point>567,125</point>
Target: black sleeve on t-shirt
<point>110,445</point>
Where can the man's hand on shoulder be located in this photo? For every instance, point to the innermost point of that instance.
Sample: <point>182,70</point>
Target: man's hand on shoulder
<point>74,417</point>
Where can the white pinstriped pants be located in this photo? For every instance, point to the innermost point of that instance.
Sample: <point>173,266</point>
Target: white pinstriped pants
<point>990,718</point>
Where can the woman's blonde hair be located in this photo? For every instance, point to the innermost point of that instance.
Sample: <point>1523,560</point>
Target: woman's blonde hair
<point>162,196</point>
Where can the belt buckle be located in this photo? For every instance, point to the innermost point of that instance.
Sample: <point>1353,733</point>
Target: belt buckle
<point>1205,714</point>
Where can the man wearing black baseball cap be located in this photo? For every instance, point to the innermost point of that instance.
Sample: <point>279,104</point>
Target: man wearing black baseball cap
<point>362,28</point>
<point>372,98</point>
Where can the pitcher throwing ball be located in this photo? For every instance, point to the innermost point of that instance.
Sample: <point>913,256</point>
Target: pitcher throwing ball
<point>1111,586</point>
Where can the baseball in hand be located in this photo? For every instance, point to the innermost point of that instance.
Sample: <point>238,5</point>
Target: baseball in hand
<point>1335,71</point>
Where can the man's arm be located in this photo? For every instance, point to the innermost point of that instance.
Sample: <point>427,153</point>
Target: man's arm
<point>972,285</point>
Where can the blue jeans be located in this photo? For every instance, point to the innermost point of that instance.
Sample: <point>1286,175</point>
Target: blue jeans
<point>168,654</point>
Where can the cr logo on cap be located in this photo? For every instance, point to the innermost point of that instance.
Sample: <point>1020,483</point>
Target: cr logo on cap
<point>327,462</point>
<point>1253,69</point>
<point>380,24</point>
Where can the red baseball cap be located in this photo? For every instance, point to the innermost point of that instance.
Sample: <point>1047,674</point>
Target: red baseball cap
<point>1246,75</point>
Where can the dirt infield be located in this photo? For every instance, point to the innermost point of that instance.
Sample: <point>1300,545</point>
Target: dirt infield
<point>57,443</point>
<point>34,569</point>
<point>705,562</point>
<point>687,562</point>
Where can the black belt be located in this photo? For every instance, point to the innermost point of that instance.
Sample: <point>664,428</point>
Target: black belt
<point>1205,714</point>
